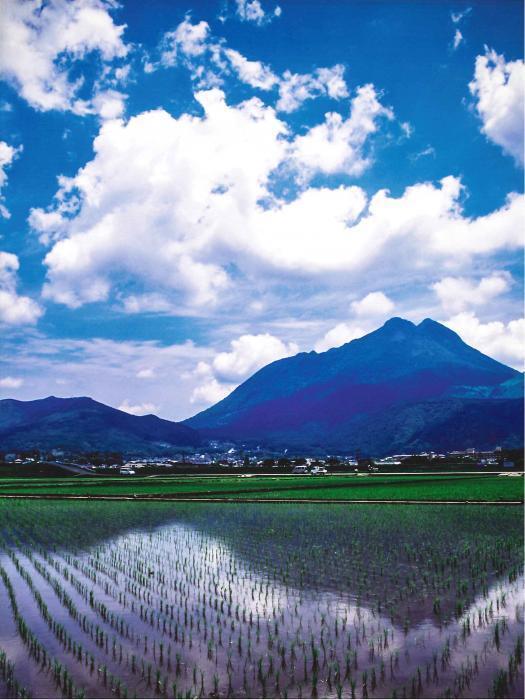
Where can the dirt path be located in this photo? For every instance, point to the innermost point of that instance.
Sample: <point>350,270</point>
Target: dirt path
<point>178,499</point>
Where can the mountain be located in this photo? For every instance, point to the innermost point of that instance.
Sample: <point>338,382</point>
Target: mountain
<point>511,389</point>
<point>403,387</point>
<point>85,425</point>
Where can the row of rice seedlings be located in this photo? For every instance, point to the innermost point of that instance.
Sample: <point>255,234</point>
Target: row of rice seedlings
<point>413,584</point>
<point>61,675</point>
<point>202,599</point>
<point>123,655</point>
<point>7,673</point>
<point>78,653</point>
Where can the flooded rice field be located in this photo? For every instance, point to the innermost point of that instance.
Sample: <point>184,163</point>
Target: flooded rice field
<point>251,600</point>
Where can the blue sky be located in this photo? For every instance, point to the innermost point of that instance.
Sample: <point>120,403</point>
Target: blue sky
<point>189,192</point>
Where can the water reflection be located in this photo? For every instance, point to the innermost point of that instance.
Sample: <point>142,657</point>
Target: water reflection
<point>258,601</point>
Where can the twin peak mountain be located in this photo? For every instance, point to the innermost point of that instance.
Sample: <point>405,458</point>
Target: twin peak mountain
<point>401,388</point>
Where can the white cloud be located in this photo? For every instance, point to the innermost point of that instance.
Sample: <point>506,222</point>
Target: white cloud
<point>458,39</point>
<point>336,145</point>
<point>498,88</point>
<point>146,373</point>
<point>295,88</point>
<point>334,230</point>
<point>428,151</point>
<point>140,409</point>
<point>456,17</point>
<point>147,303</point>
<point>252,73</point>
<point>209,61</point>
<point>166,178</point>
<point>11,382</point>
<point>253,11</point>
<point>14,308</point>
<point>503,341</point>
<point>41,41</point>
<point>109,104</point>
<point>247,354</point>
<point>210,391</point>
<point>7,155</point>
<point>105,369</point>
<point>339,335</point>
<point>458,293</point>
<point>368,311</point>
<point>373,305</point>
<point>188,39</point>
<point>183,209</point>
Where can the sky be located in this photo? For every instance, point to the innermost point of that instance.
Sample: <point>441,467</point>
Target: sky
<point>191,191</point>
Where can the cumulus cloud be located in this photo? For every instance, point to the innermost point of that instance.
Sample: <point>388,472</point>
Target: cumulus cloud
<point>140,409</point>
<point>210,391</point>
<point>109,104</point>
<point>458,293</point>
<point>187,39</point>
<point>339,335</point>
<point>7,155</point>
<point>336,145</point>
<point>253,11</point>
<point>186,182</point>
<point>14,308</point>
<point>373,305</point>
<point>498,88</point>
<point>367,312</point>
<point>296,88</point>
<point>209,60</point>
<point>247,354</point>
<point>41,41</point>
<point>252,73</point>
<point>503,341</point>
<point>183,209</point>
<point>11,382</point>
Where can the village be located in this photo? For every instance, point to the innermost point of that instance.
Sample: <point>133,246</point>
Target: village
<point>229,458</point>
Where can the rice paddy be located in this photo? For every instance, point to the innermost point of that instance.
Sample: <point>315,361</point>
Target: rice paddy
<point>184,600</point>
<point>425,487</point>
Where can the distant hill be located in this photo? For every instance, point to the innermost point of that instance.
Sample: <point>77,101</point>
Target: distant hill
<point>86,425</point>
<point>404,387</point>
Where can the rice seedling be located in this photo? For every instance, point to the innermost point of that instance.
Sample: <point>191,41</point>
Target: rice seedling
<point>164,600</point>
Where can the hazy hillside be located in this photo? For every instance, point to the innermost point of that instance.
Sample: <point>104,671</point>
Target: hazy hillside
<point>84,424</point>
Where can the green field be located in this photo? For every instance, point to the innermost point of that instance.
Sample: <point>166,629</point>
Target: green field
<point>351,487</point>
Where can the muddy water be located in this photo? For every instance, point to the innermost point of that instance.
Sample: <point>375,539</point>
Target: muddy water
<point>257,602</point>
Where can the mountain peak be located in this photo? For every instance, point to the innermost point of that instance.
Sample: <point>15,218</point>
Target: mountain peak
<point>80,423</point>
<point>349,396</point>
<point>396,322</point>
<point>395,329</point>
<point>437,330</point>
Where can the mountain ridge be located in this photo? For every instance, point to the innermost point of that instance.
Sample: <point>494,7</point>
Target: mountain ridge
<point>329,393</point>
<point>81,423</point>
<point>401,388</point>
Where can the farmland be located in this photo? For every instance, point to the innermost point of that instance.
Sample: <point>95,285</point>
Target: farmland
<point>179,600</point>
<point>449,487</point>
